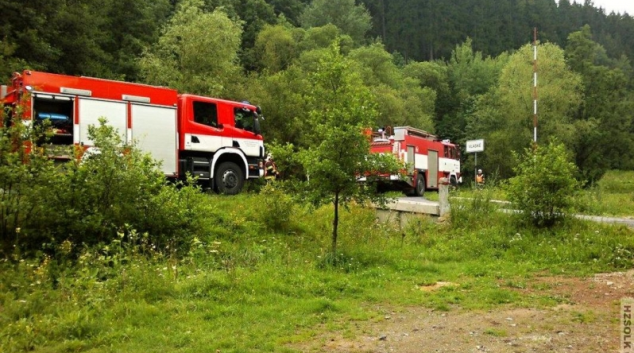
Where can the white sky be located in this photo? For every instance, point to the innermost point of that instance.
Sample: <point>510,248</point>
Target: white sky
<point>613,5</point>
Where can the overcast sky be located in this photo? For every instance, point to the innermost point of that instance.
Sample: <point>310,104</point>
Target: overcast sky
<point>613,5</point>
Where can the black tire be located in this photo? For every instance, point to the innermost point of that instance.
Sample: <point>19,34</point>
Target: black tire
<point>229,178</point>
<point>453,181</point>
<point>420,185</point>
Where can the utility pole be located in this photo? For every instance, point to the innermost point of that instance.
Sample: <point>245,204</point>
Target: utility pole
<point>535,84</point>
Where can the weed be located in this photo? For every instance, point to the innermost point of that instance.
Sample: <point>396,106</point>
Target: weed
<point>277,210</point>
<point>542,286</point>
<point>584,317</point>
<point>442,307</point>
<point>495,332</point>
<point>516,284</point>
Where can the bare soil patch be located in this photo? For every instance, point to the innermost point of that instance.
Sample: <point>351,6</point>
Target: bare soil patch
<point>587,322</point>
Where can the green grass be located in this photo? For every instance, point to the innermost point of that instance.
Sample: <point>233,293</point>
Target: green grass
<point>612,196</point>
<point>251,285</point>
<point>495,332</point>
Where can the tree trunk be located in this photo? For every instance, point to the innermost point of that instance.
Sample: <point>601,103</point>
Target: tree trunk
<point>384,31</point>
<point>335,224</point>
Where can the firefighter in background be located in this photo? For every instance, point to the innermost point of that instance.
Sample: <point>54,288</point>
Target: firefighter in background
<point>479,178</point>
<point>270,169</point>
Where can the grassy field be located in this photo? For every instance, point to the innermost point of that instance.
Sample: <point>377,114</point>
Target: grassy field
<point>613,195</point>
<point>261,279</point>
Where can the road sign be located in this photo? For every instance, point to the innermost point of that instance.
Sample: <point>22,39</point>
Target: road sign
<point>475,146</point>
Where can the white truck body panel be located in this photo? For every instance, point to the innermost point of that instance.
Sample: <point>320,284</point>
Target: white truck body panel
<point>154,130</point>
<point>90,110</point>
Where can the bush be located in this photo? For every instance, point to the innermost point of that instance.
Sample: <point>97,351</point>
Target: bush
<point>20,182</point>
<point>277,211</point>
<point>117,190</point>
<point>474,212</point>
<point>544,186</point>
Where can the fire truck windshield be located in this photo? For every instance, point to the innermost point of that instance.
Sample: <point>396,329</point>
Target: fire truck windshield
<point>247,120</point>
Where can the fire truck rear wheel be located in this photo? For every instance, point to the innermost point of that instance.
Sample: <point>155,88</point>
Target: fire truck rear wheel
<point>420,186</point>
<point>229,178</point>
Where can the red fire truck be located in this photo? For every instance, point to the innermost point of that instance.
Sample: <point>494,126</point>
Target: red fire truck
<point>426,157</point>
<point>216,140</point>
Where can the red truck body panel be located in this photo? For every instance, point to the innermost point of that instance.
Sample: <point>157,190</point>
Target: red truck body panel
<point>188,133</point>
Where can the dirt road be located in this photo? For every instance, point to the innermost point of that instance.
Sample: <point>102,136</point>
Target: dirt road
<point>588,322</point>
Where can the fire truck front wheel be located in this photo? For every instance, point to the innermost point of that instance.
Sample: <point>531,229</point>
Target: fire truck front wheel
<point>453,181</point>
<point>229,178</point>
<point>420,186</point>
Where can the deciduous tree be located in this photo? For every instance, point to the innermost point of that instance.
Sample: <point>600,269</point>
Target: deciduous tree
<point>197,52</point>
<point>504,116</point>
<point>341,107</point>
<point>605,114</point>
<point>353,20</point>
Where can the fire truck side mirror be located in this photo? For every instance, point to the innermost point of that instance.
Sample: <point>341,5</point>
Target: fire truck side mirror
<point>256,125</point>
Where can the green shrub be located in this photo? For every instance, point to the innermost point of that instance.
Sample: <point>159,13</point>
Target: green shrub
<point>20,182</point>
<point>116,190</point>
<point>544,187</point>
<point>617,181</point>
<point>474,211</point>
<point>277,210</point>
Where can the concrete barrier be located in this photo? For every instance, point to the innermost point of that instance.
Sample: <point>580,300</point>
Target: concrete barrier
<point>399,218</point>
<point>443,197</point>
<point>403,210</point>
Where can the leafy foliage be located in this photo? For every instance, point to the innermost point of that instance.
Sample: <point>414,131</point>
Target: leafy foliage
<point>276,48</point>
<point>605,114</point>
<point>97,37</point>
<point>24,177</point>
<point>545,185</point>
<point>340,109</point>
<point>196,53</point>
<point>504,115</point>
<point>88,201</point>
<point>475,84</point>
<point>277,211</point>
<point>351,19</point>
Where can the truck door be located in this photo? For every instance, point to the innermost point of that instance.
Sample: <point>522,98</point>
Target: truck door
<point>207,134</point>
<point>432,178</point>
<point>154,131</point>
<point>245,136</point>
<point>410,160</point>
<point>90,110</point>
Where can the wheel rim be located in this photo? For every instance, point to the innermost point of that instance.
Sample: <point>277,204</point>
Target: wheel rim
<point>229,179</point>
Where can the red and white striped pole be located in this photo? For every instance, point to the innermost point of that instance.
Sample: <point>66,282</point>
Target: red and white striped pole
<point>535,84</point>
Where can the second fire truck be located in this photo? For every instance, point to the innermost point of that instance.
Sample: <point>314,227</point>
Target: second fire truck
<point>427,159</point>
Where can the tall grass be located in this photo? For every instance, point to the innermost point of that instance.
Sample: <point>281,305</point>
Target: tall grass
<point>613,195</point>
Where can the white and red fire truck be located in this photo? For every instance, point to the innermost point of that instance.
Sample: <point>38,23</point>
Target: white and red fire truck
<point>425,156</point>
<point>216,140</point>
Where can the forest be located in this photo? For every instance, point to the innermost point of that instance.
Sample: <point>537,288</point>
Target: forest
<point>460,69</point>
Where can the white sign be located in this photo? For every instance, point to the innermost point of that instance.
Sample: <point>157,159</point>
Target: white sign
<point>475,146</point>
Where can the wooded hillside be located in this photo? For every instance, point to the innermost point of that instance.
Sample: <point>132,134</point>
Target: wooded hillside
<point>459,68</point>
